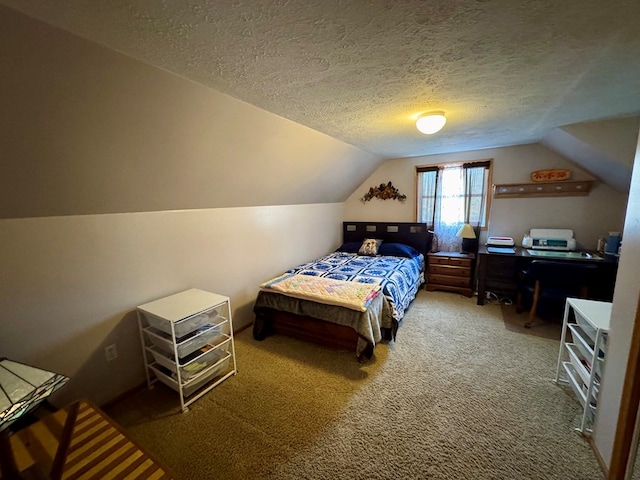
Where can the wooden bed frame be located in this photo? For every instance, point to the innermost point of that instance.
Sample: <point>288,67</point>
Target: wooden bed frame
<point>327,333</point>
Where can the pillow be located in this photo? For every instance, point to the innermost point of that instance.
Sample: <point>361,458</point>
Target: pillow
<point>398,250</point>
<point>349,247</point>
<point>369,247</point>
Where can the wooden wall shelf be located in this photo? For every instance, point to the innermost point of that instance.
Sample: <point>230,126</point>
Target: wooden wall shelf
<point>543,189</point>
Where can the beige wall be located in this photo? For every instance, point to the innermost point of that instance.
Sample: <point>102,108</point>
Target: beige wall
<point>122,183</point>
<point>85,129</point>
<point>590,217</point>
<point>625,304</point>
<point>70,284</point>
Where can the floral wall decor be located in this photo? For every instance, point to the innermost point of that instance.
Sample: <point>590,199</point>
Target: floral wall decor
<point>383,192</point>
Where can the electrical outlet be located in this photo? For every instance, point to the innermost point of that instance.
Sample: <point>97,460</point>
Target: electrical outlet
<point>111,352</point>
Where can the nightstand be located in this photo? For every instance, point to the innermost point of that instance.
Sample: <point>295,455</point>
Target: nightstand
<point>450,271</point>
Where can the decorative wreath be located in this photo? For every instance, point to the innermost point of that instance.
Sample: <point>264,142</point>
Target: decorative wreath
<point>384,192</point>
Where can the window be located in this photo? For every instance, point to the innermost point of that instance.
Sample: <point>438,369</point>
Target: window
<point>449,195</point>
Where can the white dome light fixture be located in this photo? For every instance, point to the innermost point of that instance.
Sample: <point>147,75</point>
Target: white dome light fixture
<point>431,122</point>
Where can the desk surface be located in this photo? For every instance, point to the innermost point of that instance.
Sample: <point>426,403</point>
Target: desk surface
<point>582,256</point>
<point>99,450</point>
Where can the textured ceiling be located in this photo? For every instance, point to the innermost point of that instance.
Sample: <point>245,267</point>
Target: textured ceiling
<point>505,72</point>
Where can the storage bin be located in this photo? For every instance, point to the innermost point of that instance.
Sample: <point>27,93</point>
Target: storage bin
<point>205,335</point>
<point>184,326</point>
<point>579,388</point>
<point>586,354</point>
<point>588,329</point>
<point>576,361</point>
<point>217,371</point>
<point>192,366</point>
<point>166,377</point>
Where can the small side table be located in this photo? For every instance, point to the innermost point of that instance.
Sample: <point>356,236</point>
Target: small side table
<point>451,272</point>
<point>94,447</point>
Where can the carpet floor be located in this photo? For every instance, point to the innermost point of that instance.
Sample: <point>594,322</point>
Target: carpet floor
<point>465,392</point>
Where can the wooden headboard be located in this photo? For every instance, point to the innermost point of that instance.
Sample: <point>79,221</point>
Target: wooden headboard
<point>413,234</point>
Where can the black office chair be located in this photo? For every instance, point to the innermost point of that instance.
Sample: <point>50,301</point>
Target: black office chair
<point>546,284</point>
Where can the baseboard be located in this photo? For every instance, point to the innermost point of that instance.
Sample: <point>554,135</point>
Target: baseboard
<point>241,329</point>
<point>599,458</point>
<point>123,395</point>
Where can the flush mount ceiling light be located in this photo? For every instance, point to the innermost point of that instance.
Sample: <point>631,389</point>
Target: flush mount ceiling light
<point>430,123</point>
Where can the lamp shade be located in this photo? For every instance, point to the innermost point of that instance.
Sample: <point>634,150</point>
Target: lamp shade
<point>22,388</point>
<point>466,231</point>
<point>431,123</point>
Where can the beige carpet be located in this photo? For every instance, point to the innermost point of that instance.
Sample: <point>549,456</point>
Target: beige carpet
<point>464,393</point>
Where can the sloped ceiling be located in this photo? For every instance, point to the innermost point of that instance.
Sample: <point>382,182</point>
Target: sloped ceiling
<point>606,148</point>
<point>504,72</point>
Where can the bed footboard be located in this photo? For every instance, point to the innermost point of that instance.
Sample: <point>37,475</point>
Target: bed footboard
<point>309,329</point>
<point>270,322</point>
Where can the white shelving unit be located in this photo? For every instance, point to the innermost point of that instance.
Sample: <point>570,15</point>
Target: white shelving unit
<point>187,342</point>
<point>581,359</point>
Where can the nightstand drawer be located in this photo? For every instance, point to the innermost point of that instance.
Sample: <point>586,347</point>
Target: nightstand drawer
<point>502,267</point>
<point>449,280</point>
<point>460,262</point>
<point>451,270</point>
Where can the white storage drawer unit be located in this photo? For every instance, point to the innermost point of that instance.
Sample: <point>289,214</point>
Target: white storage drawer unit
<point>581,358</point>
<point>187,342</point>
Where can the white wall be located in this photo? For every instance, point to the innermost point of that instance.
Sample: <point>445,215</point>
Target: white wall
<point>87,130</point>
<point>70,284</point>
<point>625,304</point>
<point>122,183</point>
<point>590,216</point>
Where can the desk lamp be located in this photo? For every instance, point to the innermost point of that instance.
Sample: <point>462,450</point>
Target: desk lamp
<point>22,389</point>
<point>468,237</point>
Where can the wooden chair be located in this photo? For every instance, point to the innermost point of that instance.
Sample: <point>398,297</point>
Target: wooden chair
<point>547,281</point>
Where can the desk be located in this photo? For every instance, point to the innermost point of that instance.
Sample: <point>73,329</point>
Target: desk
<point>98,449</point>
<point>498,273</point>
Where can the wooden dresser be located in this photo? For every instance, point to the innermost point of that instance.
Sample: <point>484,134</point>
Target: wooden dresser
<point>450,271</point>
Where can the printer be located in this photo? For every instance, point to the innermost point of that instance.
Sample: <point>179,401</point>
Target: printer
<point>549,239</point>
<point>500,242</point>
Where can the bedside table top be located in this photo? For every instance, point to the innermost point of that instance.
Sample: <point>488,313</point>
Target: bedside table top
<point>452,254</point>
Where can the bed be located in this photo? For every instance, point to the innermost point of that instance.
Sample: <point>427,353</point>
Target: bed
<point>392,278</point>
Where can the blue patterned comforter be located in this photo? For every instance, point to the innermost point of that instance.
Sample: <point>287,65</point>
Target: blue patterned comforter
<point>399,277</point>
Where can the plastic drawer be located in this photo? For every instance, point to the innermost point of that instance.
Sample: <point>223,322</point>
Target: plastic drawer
<point>217,371</point>
<point>192,366</point>
<point>185,326</point>
<point>586,327</point>
<point>579,388</point>
<point>587,355</point>
<point>166,377</point>
<point>205,335</point>
<point>577,360</point>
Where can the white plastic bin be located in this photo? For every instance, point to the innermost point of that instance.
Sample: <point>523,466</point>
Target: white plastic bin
<point>211,334</point>
<point>217,371</point>
<point>166,377</point>
<point>185,326</point>
<point>195,366</point>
